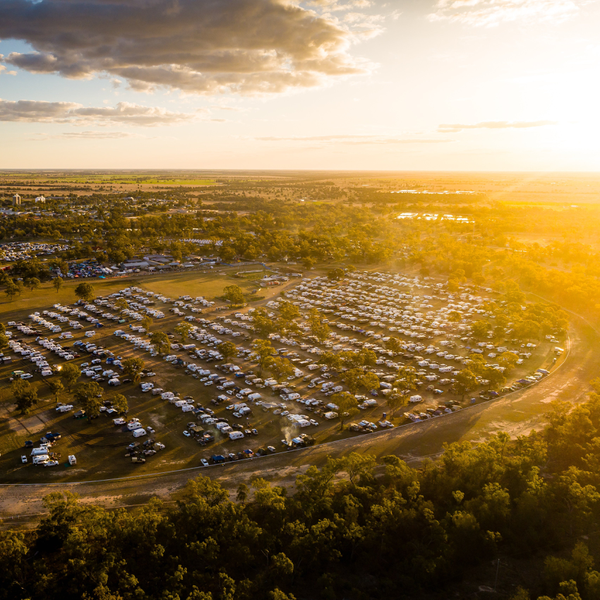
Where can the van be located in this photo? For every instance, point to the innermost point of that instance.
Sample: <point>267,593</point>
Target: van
<point>139,432</point>
<point>236,435</point>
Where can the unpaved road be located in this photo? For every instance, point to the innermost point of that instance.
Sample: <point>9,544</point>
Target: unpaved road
<point>517,414</point>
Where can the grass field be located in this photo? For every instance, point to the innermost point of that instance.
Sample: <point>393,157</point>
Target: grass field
<point>209,285</point>
<point>45,296</point>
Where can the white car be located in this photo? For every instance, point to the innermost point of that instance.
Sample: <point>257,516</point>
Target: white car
<point>51,463</point>
<point>23,459</point>
<point>204,462</point>
<point>26,375</point>
<point>187,434</point>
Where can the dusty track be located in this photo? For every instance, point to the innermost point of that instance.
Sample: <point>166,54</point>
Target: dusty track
<point>517,414</point>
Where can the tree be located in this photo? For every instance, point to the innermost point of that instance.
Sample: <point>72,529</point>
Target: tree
<point>513,293</point>
<point>347,406</point>
<point>69,374</point>
<point>161,342</point>
<point>309,262</point>
<point>25,395</point>
<point>227,349</point>
<point>353,379</point>
<point>120,404</point>
<point>90,396</point>
<point>3,342</point>
<point>288,311</point>
<point>480,329</point>
<point>496,378</point>
<point>394,344</point>
<point>452,286</point>
<point>32,283</point>
<point>183,330</point>
<point>367,358</point>
<point>286,322</point>
<point>406,379</point>
<point>318,328</point>
<point>331,359</point>
<point>12,289</point>
<point>264,351</point>
<point>508,360</point>
<point>227,254</point>
<point>56,387</point>
<point>234,294</point>
<point>147,323</point>
<point>133,367</point>
<point>279,366</point>
<point>370,381</point>
<point>395,400</point>
<point>57,282</point>
<point>85,291</point>
<point>121,304</point>
<point>465,382</point>
<point>528,329</point>
<point>336,274</point>
<point>454,316</point>
<point>476,364</point>
<point>262,323</point>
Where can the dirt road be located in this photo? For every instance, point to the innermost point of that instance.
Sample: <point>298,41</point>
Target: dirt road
<point>517,414</point>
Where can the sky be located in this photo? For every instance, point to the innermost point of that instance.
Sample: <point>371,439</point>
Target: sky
<point>453,85</point>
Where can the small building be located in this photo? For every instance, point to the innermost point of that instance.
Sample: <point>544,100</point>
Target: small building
<point>16,200</point>
<point>158,259</point>
<point>134,263</point>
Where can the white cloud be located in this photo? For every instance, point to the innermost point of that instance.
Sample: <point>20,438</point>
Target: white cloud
<point>33,111</point>
<point>353,139</point>
<point>490,13</point>
<point>453,128</point>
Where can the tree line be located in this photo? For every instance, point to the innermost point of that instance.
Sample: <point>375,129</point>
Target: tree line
<point>354,528</point>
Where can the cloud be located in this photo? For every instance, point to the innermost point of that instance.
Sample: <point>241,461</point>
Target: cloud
<point>85,135</point>
<point>454,128</point>
<point>340,5</point>
<point>3,68</point>
<point>197,46</point>
<point>354,139</point>
<point>97,135</point>
<point>124,113</point>
<point>490,13</point>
